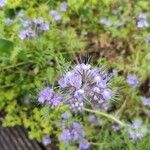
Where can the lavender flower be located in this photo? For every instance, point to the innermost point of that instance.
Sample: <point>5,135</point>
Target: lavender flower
<point>46,140</point>
<point>142,21</point>
<point>2,3</point>
<point>47,96</point>
<point>86,84</point>
<point>136,131</point>
<point>26,34</point>
<point>133,80</point>
<point>105,21</point>
<point>56,16</point>
<point>145,101</point>
<point>63,6</point>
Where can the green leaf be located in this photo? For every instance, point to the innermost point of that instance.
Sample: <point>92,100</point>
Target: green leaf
<point>6,46</point>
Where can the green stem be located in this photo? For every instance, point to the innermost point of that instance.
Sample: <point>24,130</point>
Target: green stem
<point>110,117</point>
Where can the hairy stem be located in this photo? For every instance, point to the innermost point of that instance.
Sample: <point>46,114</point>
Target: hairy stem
<point>110,117</point>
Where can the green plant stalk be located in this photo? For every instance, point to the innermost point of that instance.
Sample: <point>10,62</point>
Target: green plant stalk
<point>110,117</point>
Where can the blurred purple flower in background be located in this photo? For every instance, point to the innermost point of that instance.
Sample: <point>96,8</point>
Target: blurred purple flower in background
<point>84,84</point>
<point>63,6</point>
<point>142,21</point>
<point>84,145</point>
<point>147,39</point>
<point>2,3</point>
<point>56,16</point>
<point>133,80</point>
<point>105,21</point>
<point>145,101</point>
<point>26,34</point>
<point>115,127</point>
<point>94,120</point>
<point>136,131</point>
<point>46,140</point>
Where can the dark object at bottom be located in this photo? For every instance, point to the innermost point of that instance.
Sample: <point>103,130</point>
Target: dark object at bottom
<point>15,138</point>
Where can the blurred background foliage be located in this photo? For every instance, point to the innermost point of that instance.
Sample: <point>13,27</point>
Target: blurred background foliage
<point>29,65</point>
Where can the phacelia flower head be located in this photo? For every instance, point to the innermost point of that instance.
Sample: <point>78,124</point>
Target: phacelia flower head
<point>63,6</point>
<point>145,101</point>
<point>86,85</point>
<point>136,131</point>
<point>27,33</point>
<point>74,133</point>
<point>2,3</point>
<point>133,80</point>
<point>48,96</point>
<point>142,21</point>
<point>55,14</point>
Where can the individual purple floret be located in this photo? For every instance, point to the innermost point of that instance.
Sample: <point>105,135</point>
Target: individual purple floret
<point>136,131</point>
<point>133,80</point>
<point>142,21</point>
<point>56,16</point>
<point>115,127</point>
<point>145,101</point>
<point>63,6</point>
<point>86,85</point>
<point>84,145</point>
<point>46,140</point>
<point>2,3</point>
<point>26,34</point>
<point>47,96</point>
<point>105,21</point>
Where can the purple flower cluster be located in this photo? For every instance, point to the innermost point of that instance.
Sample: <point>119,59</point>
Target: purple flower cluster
<point>46,140</point>
<point>34,26</point>
<point>55,14</point>
<point>84,84</point>
<point>133,80</point>
<point>76,134</point>
<point>47,96</point>
<point>136,131</point>
<point>145,101</point>
<point>26,34</point>
<point>142,21</point>
<point>2,3</point>
<point>63,6</point>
